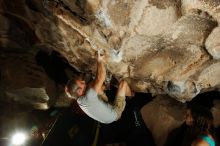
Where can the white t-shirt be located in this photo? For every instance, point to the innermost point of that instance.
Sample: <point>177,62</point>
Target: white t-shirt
<point>96,108</point>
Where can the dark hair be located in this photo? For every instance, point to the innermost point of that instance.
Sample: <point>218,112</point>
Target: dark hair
<point>202,120</point>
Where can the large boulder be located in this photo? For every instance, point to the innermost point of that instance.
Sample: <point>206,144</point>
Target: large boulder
<point>163,47</point>
<point>161,116</point>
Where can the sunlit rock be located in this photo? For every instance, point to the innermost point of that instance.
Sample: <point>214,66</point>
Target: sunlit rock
<point>213,43</point>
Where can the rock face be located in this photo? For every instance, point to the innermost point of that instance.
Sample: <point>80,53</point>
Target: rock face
<point>24,82</point>
<point>161,116</point>
<point>165,47</point>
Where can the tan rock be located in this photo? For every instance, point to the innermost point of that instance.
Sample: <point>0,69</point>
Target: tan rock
<point>160,45</point>
<point>213,43</point>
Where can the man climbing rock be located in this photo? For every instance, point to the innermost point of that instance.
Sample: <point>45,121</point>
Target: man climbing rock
<point>92,99</point>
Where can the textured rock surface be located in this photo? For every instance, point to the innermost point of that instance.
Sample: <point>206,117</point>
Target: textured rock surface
<point>213,43</point>
<point>164,47</point>
<point>24,82</point>
<point>161,116</point>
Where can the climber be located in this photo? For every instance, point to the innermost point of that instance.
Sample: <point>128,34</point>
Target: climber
<point>92,99</point>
